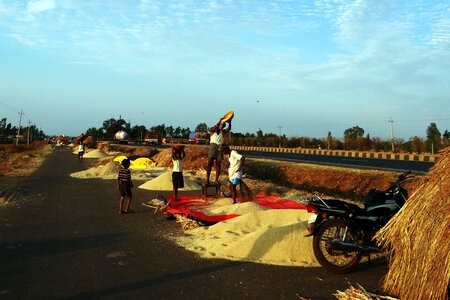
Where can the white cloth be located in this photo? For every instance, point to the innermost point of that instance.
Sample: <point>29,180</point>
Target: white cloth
<point>233,170</point>
<point>177,165</point>
<point>81,148</point>
<point>216,138</point>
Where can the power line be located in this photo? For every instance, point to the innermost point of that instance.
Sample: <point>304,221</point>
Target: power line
<point>9,108</point>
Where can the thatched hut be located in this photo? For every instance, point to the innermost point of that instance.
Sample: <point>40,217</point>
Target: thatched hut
<point>419,239</point>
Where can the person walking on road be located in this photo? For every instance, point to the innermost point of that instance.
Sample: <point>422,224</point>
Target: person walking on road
<point>80,151</point>
<point>124,185</point>
<point>177,171</point>
<point>217,133</point>
<point>234,170</point>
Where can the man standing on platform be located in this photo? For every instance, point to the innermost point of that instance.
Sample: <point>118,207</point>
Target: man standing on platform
<point>214,156</point>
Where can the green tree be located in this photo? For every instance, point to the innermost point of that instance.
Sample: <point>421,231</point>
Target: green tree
<point>446,138</point>
<point>95,133</point>
<point>177,132</point>
<point>418,144</point>
<point>433,138</point>
<point>329,140</point>
<point>137,133</point>
<point>351,136</point>
<point>354,132</point>
<point>160,130</point>
<point>112,125</point>
<point>202,127</point>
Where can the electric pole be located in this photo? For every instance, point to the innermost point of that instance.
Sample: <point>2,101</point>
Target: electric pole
<point>392,133</point>
<point>28,134</point>
<point>279,129</point>
<point>18,129</point>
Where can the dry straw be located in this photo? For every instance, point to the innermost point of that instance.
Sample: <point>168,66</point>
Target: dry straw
<point>418,237</point>
<point>359,293</point>
<point>186,223</point>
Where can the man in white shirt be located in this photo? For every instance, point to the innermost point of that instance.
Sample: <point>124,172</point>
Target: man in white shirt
<point>234,170</point>
<point>216,139</point>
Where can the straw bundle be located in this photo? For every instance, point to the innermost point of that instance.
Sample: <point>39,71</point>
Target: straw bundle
<point>359,293</point>
<point>157,204</point>
<point>186,223</point>
<point>419,238</point>
<point>246,192</point>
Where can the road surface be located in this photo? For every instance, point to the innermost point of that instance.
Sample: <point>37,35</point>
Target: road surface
<point>353,162</point>
<point>65,240</point>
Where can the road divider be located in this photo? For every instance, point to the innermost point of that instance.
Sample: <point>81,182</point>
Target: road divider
<point>345,153</point>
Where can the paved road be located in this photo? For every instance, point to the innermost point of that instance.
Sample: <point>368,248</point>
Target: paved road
<point>353,162</point>
<point>65,240</point>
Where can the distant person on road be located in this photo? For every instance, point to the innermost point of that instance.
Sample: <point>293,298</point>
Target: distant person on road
<point>80,151</point>
<point>124,185</point>
<point>217,133</point>
<point>177,170</point>
<point>234,170</point>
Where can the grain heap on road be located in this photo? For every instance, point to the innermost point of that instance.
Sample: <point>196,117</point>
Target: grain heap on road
<point>274,236</point>
<point>164,183</point>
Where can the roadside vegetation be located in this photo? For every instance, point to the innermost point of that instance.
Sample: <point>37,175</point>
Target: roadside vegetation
<point>354,138</point>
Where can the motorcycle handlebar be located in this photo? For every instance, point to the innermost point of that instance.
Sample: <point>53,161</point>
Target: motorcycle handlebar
<point>403,176</point>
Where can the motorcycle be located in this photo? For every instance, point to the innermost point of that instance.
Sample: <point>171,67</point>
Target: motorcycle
<point>343,232</point>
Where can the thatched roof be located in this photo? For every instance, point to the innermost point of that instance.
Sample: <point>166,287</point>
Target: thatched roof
<point>419,237</point>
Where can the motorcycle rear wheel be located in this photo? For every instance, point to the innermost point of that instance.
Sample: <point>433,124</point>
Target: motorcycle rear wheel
<point>336,261</point>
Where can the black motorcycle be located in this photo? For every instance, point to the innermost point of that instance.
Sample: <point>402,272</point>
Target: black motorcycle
<point>343,232</point>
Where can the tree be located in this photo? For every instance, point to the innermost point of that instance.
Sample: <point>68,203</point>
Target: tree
<point>433,138</point>
<point>112,125</point>
<point>160,130</point>
<point>137,133</point>
<point>177,132</point>
<point>351,136</point>
<point>202,127</point>
<point>95,133</point>
<point>329,140</point>
<point>446,138</point>
<point>354,132</point>
<point>418,144</point>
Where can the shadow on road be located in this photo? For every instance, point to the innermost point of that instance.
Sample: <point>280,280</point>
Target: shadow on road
<point>164,279</point>
<point>32,249</point>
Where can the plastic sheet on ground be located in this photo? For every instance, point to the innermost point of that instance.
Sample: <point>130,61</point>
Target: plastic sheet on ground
<point>195,207</point>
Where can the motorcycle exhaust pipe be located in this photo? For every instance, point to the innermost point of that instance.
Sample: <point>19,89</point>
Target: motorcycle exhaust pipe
<point>346,246</point>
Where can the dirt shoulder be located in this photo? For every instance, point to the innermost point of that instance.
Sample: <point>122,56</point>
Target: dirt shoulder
<point>16,163</point>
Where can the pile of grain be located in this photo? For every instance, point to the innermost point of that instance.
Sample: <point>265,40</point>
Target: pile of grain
<point>106,171</point>
<point>225,206</point>
<point>164,183</point>
<point>95,154</point>
<point>275,236</point>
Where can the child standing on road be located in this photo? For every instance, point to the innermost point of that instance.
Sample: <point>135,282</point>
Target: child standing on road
<point>177,171</point>
<point>124,185</point>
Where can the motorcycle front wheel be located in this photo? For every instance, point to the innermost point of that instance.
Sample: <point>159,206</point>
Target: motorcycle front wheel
<point>336,261</point>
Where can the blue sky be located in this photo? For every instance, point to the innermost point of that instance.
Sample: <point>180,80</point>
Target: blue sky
<point>309,67</point>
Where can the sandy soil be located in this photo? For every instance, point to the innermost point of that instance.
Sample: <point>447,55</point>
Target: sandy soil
<point>16,166</point>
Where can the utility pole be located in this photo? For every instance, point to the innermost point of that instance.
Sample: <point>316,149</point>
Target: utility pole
<point>18,129</point>
<point>279,129</point>
<point>28,134</point>
<point>392,133</point>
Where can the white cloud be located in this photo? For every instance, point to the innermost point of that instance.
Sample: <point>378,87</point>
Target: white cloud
<point>38,6</point>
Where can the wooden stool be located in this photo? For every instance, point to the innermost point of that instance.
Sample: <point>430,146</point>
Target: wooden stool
<point>205,187</point>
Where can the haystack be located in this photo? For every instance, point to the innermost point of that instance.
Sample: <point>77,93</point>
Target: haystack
<point>419,237</point>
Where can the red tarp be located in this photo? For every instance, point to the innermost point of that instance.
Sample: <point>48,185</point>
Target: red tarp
<point>194,206</point>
